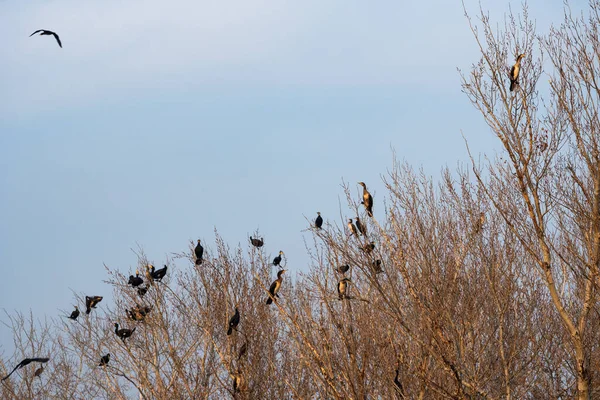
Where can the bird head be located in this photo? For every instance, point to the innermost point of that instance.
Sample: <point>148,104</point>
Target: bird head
<point>281,272</point>
<point>318,213</point>
<point>198,241</point>
<point>362,184</point>
<point>280,252</point>
<point>520,56</point>
<point>350,220</point>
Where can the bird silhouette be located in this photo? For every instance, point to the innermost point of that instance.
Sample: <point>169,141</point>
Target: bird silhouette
<point>91,302</point>
<point>25,362</point>
<point>198,252</point>
<point>234,321</point>
<point>74,314</point>
<point>46,32</point>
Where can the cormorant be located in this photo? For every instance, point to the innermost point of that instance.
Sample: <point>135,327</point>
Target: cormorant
<point>138,313</point>
<point>199,251</point>
<point>104,360</point>
<point>256,242</point>
<point>319,220</point>
<point>234,321</point>
<point>367,199</point>
<point>135,280</point>
<point>142,290</point>
<point>159,274</point>
<point>343,288</point>
<point>74,313</point>
<point>514,73</point>
<point>352,228</point>
<point>277,260</point>
<point>38,372</point>
<point>149,272</point>
<point>369,247</point>
<point>275,286</point>
<point>123,333</point>
<point>25,362</point>
<point>91,302</point>
<point>46,32</point>
<point>377,266</point>
<point>362,228</point>
<point>342,269</point>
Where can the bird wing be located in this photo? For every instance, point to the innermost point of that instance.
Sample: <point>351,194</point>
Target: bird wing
<point>57,39</point>
<point>40,359</point>
<point>11,372</point>
<point>39,30</point>
<point>273,288</point>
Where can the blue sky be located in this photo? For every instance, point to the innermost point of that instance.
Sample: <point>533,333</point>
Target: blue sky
<point>159,121</point>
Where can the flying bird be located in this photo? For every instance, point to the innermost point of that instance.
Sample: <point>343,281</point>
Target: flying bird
<point>199,252</point>
<point>514,73</point>
<point>74,313</point>
<point>234,321</point>
<point>25,362</point>
<point>104,360</point>
<point>367,199</point>
<point>275,286</point>
<point>319,220</point>
<point>256,242</point>
<point>277,260</point>
<point>91,302</point>
<point>45,32</point>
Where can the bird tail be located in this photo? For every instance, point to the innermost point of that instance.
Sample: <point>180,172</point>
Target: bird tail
<point>229,331</point>
<point>269,300</point>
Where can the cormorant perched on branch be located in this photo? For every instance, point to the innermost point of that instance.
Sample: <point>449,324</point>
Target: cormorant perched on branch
<point>142,290</point>
<point>38,372</point>
<point>362,228</point>
<point>342,269</point>
<point>234,321</point>
<point>25,362</point>
<point>46,32</point>
<point>256,242</point>
<point>104,360</point>
<point>199,251</point>
<point>123,333</point>
<point>138,313</point>
<point>343,288</point>
<point>277,260</point>
<point>352,228</point>
<point>275,286</point>
<point>91,302</point>
<point>74,314</point>
<point>135,280</point>
<point>369,247</point>
<point>319,220</point>
<point>159,274</point>
<point>514,73</point>
<point>377,266</point>
<point>367,199</point>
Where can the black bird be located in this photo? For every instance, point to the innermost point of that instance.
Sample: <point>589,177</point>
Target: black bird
<point>91,302</point>
<point>377,266</point>
<point>275,286</point>
<point>142,290</point>
<point>369,247</point>
<point>234,321</point>
<point>367,199</point>
<point>277,260</point>
<point>74,313</point>
<point>136,280</point>
<point>319,220</point>
<point>342,269</point>
<point>362,228</point>
<point>514,73</point>
<point>138,313</point>
<point>159,274</point>
<point>123,333</point>
<point>25,362</point>
<point>45,32</point>
<point>352,228</point>
<point>199,252</point>
<point>256,242</point>
<point>104,360</point>
<point>343,288</point>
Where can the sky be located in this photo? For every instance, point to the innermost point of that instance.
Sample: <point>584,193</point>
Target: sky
<point>159,122</point>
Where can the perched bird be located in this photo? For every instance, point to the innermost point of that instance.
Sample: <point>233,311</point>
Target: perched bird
<point>362,228</point>
<point>38,372</point>
<point>256,242</point>
<point>159,274</point>
<point>275,286</point>
<point>377,266</point>
<point>352,228</point>
<point>25,362</point>
<point>91,302</point>
<point>343,288</point>
<point>514,73</point>
<point>198,252</point>
<point>136,280</point>
<point>45,32</point>
<point>369,247</point>
<point>149,271</point>
<point>478,225</point>
<point>319,220</point>
<point>367,199</point>
<point>234,321</point>
<point>74,313</point>
<point>277,260</point>
<point>138,313</point>
<point>104,360</point>
<point>142,290</point>
<point>123,333</point>
<point>342,269</point>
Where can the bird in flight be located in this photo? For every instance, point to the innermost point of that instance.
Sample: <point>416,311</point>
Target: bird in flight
<point>25,362</point>
<point>45,32</point>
